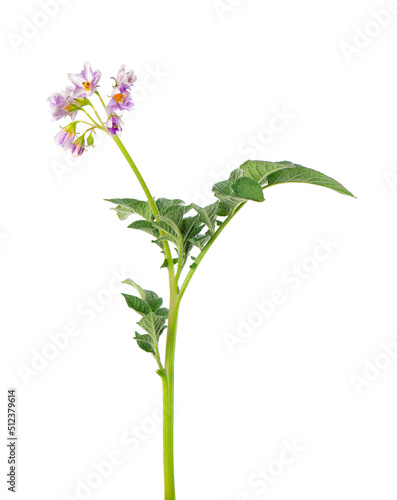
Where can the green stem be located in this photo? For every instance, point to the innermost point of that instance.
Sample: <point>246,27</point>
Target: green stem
<point>169,378</point>
<point>168,399</point>
<point>100,98</point>
<point>92,119</point>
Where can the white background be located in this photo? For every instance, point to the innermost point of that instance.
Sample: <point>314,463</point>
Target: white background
<point>222,73</point>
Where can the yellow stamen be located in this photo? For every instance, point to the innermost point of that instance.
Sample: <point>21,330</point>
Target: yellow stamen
<point>119,97</point>
<point>87,85</point>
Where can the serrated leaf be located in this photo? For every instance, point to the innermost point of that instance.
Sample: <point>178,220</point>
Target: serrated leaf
<point>153,324</point>
<point>139,305</point>
<point>297,173</point>
<point>145,226</point>
<point>145,342</point>
<point>127,206</point>
<point>207,215</point>
<point>247,189</point>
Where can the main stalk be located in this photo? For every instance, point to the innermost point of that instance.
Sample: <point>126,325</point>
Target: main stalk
<point>168,399</point>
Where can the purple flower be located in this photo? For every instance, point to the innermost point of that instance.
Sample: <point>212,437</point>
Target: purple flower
<point>114,125</point>
<point>123,77</point>
<point>77,148</point>
<point>64,139</point>
<point>66,136</point>
<point>61,104</point>
<point>120,100</point>
<point>85,82</point>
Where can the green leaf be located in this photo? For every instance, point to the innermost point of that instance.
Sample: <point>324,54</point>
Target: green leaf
<point>155,302</point>
<point>297,173</point>
<point>145,226</point>
<point>139,289</point>
<point>247,189</point>
<point>127,206</point>
<point>163,311</point>
<point>171,232</point>
<point>170,225</point>
<point>259,170</point>
<point>201,240</point>
<point>153,324</point>
<point>235,174</point>
<point>222,188</point>
<point>208,215</point>
<point>145,342</point>
<point>164,205</point>
<point>139,305</point>
<point>148,296</point>
<point>190,227</point>
<point>229,198</point>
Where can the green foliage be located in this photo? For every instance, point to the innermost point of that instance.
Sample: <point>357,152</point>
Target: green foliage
<point>235,191</point>
<point>306,175</point>
<point>271,173</point>
<point>247,189</point>
<point>183,231</point>
<point>146,226</point>
<point>207,215</point>
<point>154,317</point>
<point>128,206</point>
<point>154,325</point>
<point>259,170</point>
<point>139,305</point>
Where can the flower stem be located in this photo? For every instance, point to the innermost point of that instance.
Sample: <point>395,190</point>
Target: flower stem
<point>100,98</point>
<point>93,121</point>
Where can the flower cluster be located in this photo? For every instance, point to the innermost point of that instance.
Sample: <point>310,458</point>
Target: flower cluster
<point>75,98</point>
